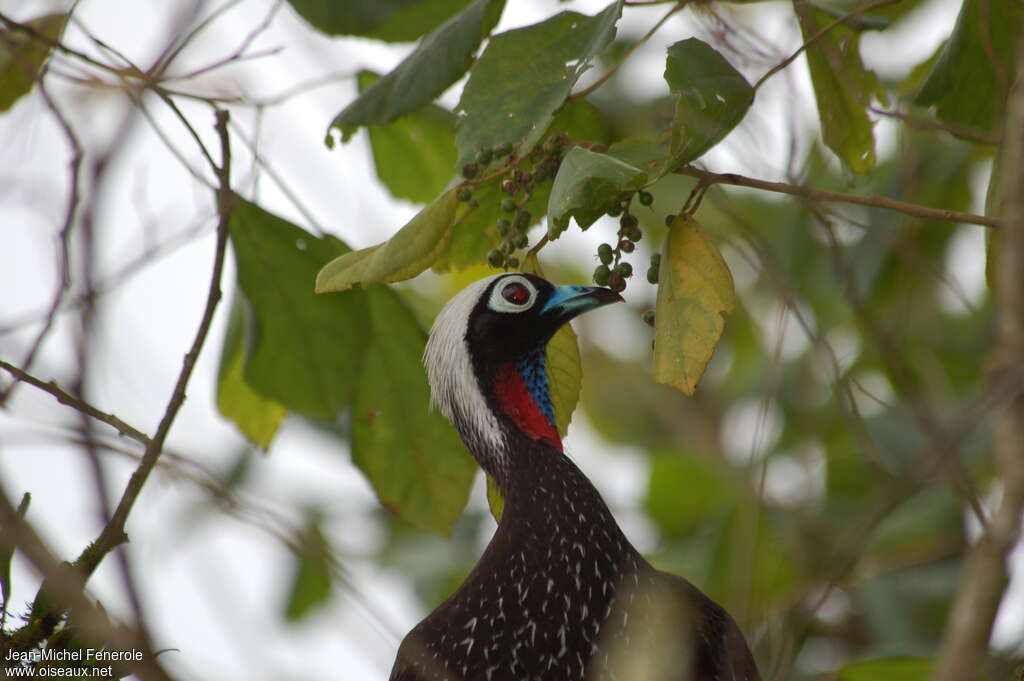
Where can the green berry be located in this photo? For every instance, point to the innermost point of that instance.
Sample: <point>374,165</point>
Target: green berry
<point>626,246</point>
<point>523,241</point>
<point>484,155</point>
<point>509,205</point>
<point>507,247</point>
<point>513,263</point>
<point>465,194</point>
<point>539,174</point>
<point>634,234</point>
<point>652,274</point>
<point>625,269</point>
<point>495,258</point>
<point>509,186</point>
<point>615,211</point>
<point>555,143</point>
<point>648,317</point>
<point>601,275</point>
<point>645,198</point>
<point>522,176</point>
<point>628,221</point>
<point>523,219</point>
<point>655,259</point>
<point>669,219</point>
<point>504,225</point>
<point>604,253</point>
<point>470,170</point>
<point>616,281</point>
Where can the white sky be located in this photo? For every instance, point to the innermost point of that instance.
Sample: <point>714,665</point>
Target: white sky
<point>214,591</point>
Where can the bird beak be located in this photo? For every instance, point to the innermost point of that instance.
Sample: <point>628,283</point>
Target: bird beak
<point>569,301</point>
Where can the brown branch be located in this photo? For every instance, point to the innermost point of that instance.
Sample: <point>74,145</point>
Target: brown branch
<point>856,12</point>
<point>873,200</point>
<point>970,134</point>
<point>984,576</point>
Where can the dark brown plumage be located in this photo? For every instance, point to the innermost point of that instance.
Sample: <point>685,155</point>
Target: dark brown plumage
<point>559,594</point>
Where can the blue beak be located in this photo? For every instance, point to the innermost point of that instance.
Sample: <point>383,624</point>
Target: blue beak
<point>569,301</point>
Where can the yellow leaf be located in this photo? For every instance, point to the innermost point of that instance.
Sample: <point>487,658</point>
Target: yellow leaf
<point>411,250</point>
<point>494,498</point>
<point>562,359</point>
<point>694,295</point>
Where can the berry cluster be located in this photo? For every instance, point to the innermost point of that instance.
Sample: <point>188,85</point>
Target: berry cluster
<point>613,270</point>
<point>540,166</point>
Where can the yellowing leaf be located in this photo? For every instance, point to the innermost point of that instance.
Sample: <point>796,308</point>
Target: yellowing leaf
<point>257,416</point>
<point>22,56</point>
<point>494,498</point>
<point>563,363</point>
<point>411,250</point>
<point>695,293</point>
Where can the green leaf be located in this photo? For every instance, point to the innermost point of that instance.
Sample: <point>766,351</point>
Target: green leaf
<point>22,57</point>
<point>411,250</point>
<point>709,492</point>
<point>476,231</point>
<point>7,553</point>
<point>311,584</point>
<point>439,60</point>
<point>843,88</point>
<point>258,417</point>
<point>969,82</point>
<point>412,456</point>
<point>588,184</point>
<point>414,155</point>
<point>695,293</point>
<point>524,76</point>
<point>390,20</point>
<point>712,98</point>
<point>303,351</point>
<point>494,499</point>
<point>888,669</point>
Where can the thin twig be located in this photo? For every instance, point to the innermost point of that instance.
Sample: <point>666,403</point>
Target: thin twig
<point>680,4</point>
<point>872,200</point>
<point>856,12</point>
<point>63,262</point>
<point>971,134</point>
<point>113,533</point>
<point>984,576</point>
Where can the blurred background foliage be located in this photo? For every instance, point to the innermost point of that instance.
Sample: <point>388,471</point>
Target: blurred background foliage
<point>821,481</point>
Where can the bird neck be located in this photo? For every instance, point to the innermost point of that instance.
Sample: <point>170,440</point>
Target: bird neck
<point>522,396</point>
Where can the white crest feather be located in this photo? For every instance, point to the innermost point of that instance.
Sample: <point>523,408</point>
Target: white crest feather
<point>454,388</point>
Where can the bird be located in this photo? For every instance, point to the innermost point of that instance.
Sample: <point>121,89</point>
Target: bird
<point>559,593</point>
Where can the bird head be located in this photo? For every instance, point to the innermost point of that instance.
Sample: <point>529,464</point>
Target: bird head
<point>485,358</point>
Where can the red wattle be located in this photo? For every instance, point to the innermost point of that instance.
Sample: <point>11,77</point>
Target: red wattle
<point>515,400</point>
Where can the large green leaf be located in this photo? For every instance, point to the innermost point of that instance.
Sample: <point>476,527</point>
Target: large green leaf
<point>414,155</point>
<point>391,20</point>
<point>524,76</point>
<point>695,293</point>
<point>843,88</point>
<point>888,669</point>
<point>438,61</point>
<point>588,184</point>
<point>304,351</point>
<point>258,417</point>
<point>22,57</point>
<point>968,83</point>
<point>712,98</point>
<point>311,583</point>
<point>411,250</point>
<point>412,456</point>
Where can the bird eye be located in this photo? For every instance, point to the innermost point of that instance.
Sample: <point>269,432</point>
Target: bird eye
<point>515,293</point>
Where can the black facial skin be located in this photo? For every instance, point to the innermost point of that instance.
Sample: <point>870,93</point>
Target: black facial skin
<point>499,337</point>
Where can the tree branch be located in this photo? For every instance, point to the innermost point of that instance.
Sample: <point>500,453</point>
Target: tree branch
<point>113,533</point>
<point>873,200</point>
<point>984,575</point>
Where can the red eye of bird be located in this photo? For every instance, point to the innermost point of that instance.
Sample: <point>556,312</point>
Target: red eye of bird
<point>516,293</point>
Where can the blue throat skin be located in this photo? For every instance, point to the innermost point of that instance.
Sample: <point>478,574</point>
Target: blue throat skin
<point>533,368</point>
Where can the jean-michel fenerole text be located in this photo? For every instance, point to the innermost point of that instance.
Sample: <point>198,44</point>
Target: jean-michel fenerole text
<point>80,655</point>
